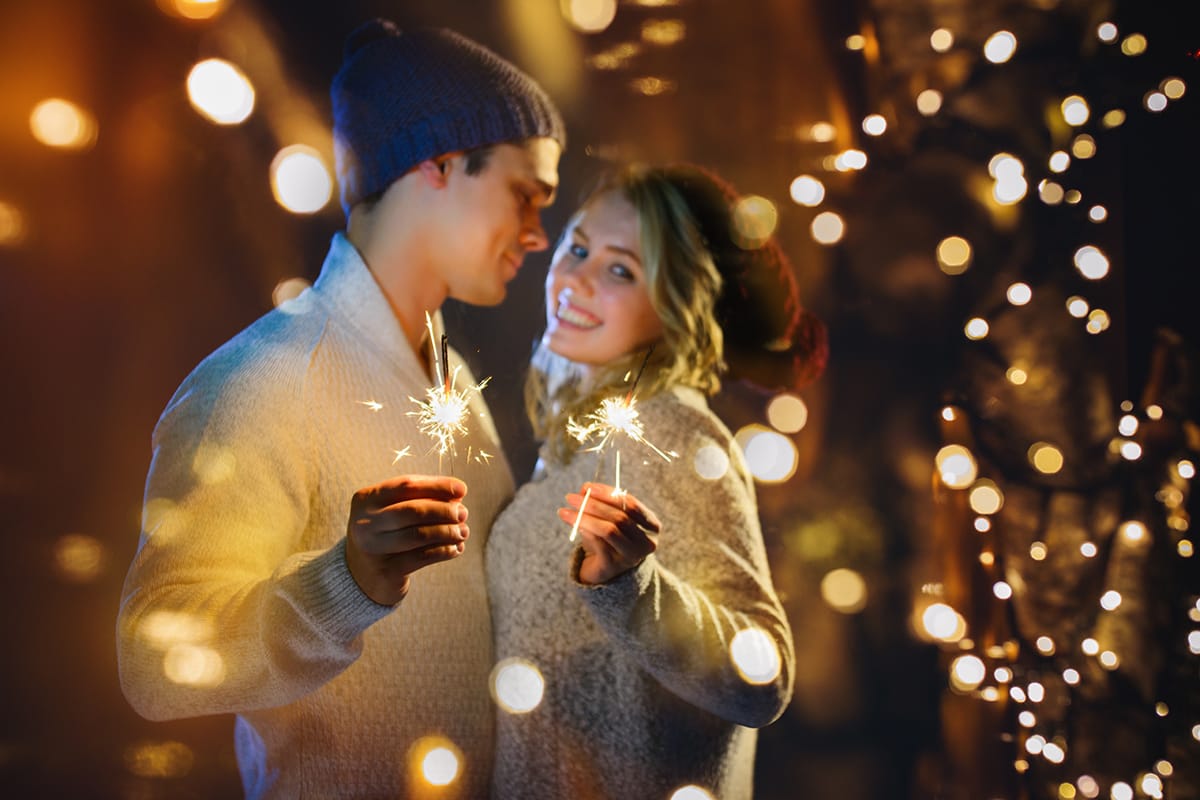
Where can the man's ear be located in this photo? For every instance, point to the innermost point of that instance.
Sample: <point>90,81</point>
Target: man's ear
<point>433,172</point>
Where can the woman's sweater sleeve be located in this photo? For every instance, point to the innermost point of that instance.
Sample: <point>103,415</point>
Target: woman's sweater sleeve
<point>221,610</point>
<point>678,612</point>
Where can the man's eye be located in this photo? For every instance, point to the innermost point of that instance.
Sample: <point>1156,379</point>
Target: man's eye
<point>578,250</point>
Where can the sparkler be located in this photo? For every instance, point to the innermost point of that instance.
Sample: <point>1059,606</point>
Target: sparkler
<point>443,414</point>
<point>615,416</point>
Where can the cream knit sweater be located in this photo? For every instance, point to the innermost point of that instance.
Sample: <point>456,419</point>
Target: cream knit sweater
<point>641,695</point>
<point>239,599</point>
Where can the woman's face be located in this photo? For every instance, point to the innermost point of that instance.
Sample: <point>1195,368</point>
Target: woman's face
<point>597,299</point>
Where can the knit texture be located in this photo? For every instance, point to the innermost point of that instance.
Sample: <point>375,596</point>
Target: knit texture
<point>239,599</point>
<point>641,696</point>
<point>403,97</point>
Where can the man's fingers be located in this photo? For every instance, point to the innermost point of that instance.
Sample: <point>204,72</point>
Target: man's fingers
<point>413,539</point>
<point>411,514</point>
<point>413,487</point>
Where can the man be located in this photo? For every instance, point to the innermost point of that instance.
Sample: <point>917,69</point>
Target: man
<point>350,647</point>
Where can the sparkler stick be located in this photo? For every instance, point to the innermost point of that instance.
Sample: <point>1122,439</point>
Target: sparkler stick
<point>616,415</point>
<point>587,495</point>
<point>442,415</point>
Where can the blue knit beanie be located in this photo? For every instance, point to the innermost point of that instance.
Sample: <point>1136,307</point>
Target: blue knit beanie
<point>401,98</point>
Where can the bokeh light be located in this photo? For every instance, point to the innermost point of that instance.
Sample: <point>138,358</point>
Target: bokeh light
<point>844,590</point>
<point>787,413</point>
<point>1106,32</point>
<point>874,125</point>
<point>822,132</point>
<point>929,102</point>
<point>1082,146</point>
<point>300,180</point>
<point>517,685</point>
<point>1155,101</point>
<point>754,220</point>
<point>62,124</point>
<point>941,40</point>
<point>440,766</point>
<point>12,225</point>
<point>288,289</point>
<point>1019,294</point>
<point>691,792</point>
<point>954,255</point>
<point>967,672</point>
<point>1098,321</point>
<point>1059,161</point>
<point>1075,110</point>
<point>976,328</point>
<point>193,665</point>
<point>663,32</point>
<point>1097,213</point>
<point>828,228</point>
<point>1045,458</point>
<point>220,92</point>
<point>1091,262</point>
<point>755,656</point>
<point>806,190</point>
<point>79,558</point>
<point>1000,47</point>
<point>1077,307</point>
<point>193,9</point>
<point>1134,44</point>
<point>161,759</point>
<point>850,160</point>
<point>1050,192</point>
<point>1173,88</point>
<point>770,456</point>
<point>940,622</point>
<point>985,497</point>
<point>589,16</point>
<point>956,466</point>
<point>711,462</point>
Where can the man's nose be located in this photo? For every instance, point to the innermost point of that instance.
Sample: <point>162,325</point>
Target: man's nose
<point>533,236</point>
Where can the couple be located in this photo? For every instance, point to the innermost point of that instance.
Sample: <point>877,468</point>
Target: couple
<point>350,644</point>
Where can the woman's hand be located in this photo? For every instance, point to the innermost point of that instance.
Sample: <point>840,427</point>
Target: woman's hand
<point>617,531</point>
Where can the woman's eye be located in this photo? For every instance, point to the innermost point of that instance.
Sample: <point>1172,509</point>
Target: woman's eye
<point>621,271</point>
<point>578,250</point>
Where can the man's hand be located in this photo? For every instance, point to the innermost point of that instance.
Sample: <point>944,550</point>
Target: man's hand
<point>401,525</point>
<point>617,531</point>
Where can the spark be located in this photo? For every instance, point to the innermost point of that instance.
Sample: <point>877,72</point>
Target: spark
<point>615,416</point>
<point>443,414</point>
<point>480,457</point>
<point>371,404</point>
<point>401,453</point>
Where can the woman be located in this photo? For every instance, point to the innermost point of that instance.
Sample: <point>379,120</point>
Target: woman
<point>631,622</point>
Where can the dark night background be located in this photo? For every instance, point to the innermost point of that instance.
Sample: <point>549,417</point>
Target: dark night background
<point>136,257</point>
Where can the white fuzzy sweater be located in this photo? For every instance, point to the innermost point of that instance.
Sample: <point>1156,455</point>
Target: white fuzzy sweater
<point>239,599</point>
<point>641,696</point>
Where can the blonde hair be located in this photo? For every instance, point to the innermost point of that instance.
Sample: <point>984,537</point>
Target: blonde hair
<point>684,285</point>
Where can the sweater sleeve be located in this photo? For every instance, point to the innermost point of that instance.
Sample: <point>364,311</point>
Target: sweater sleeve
<point>679,612</point>
<point>222,609</point>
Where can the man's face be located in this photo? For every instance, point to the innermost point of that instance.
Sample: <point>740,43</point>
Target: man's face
<point>492,219</point>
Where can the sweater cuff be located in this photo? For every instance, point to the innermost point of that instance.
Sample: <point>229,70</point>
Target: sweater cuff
<point>621,591</point>
<point>338,606</point>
